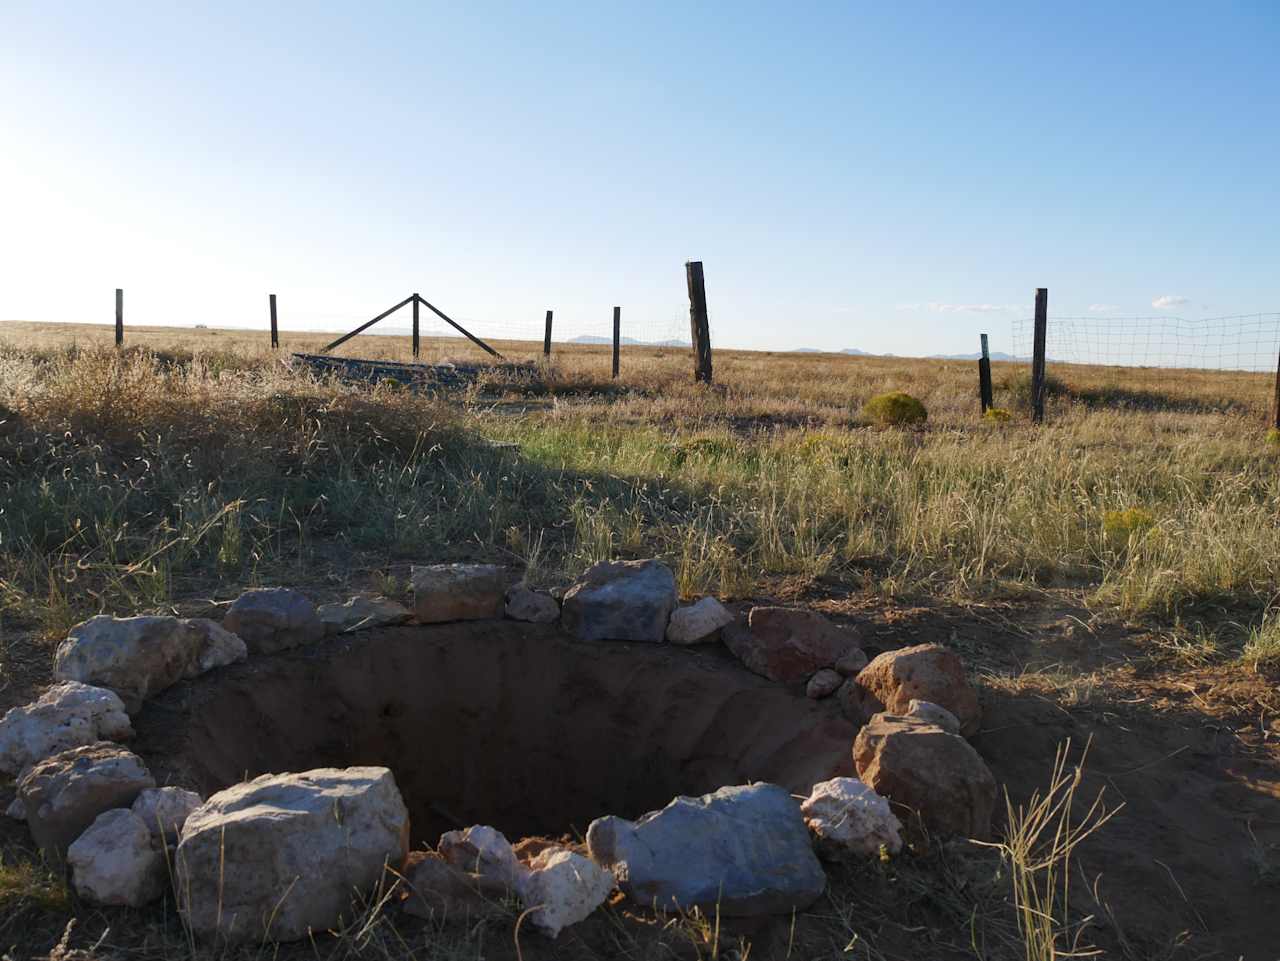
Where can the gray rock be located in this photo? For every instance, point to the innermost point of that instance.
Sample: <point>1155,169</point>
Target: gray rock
<point>444,893</point>
<point>164,810</point>
<point>824,683</point>
<point>285,855</point>
<point>16,810</point>
<point>137,657</point>
<point>620,601</point>
<point>561,888</point>
<point>457,592</point>
<point>699,622</point>
<point>536,607</point>
<point>848,818</point>
<point>117,862</point>
<point>852,663</point>
<point>360,613</point>
<point>63,794</point>
<point>273,619</point>
<point>745,849</point>
<point>69,714</point>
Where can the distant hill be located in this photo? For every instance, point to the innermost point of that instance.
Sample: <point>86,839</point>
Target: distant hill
<point>595,339</point>
<point>855,352</point>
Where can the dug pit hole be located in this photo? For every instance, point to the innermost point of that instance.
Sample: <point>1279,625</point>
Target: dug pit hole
<point>498,722</point>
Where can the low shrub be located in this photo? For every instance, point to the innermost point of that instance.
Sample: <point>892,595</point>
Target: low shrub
<point>894,409</point>
<point>1121,526</point>
<point>997,415</point>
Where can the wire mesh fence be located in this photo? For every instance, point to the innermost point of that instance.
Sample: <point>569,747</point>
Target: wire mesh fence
<point>1247,342</point>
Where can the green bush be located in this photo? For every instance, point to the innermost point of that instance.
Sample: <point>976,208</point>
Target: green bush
<point>1273,437</point>
<point>1121,526</point>
<point>997,415</point>
<point>894,409</point>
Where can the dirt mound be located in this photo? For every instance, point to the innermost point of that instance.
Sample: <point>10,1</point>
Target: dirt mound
<point>498,723</point>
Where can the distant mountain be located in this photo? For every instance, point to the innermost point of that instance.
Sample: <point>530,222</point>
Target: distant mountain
<point>995,355</point>
<point>595,339</point>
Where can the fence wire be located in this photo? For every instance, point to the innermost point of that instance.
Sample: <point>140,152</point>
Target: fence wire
<point>1246,342</point>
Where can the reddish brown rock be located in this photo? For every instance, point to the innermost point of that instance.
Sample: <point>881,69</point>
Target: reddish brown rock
<point>442,892</point>
<point>926,672</point>
<point>920,767</point>
<point>789,645</point>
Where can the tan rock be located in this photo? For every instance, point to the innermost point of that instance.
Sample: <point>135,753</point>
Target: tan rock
<point>849,818</point>
<point>562,888</point>
<point>926,672</point>
<point>362,612</point>
<point>536,607</point>
<point>922,768</point>
<point>444,893</point>
<point>824,683</point>
<point>457,592</point>
<point>788,645</point>
<point>117,862</point>
<point>699,622</point>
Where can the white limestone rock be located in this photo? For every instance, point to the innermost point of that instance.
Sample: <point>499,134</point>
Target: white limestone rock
<point>137,657</point>
<point>847,817</point>
<point>699,622</point>
<point>562,888</point>
<point>285,855</point>
<point>483,851</point>
<point>164,810</point>
<point>67,715</point>
<point>117,861</point>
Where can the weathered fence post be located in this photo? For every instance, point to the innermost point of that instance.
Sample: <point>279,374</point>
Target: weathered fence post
<point>617,338</point>
<point>275,331</point>
<point>1275,420</point>
<point>546,338</point>
<point>984,377</point>
<point>1037,354</point>
<point>698,325</point>
<point>119,317</point>
<point>416,299</point>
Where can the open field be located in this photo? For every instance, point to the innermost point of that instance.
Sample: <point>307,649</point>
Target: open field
<point>1111,574</point>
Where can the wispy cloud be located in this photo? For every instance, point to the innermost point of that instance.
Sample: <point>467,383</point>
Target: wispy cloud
<point>938,308</point>
<point>1102,308</point>
<point>1165,301</point>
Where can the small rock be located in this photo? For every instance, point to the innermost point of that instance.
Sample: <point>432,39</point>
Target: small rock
<point>744,849</point>
<point>847,817</point>
<point>934,714</point>
<point>137,657</point>
<point>925,769</point>
<point>164,810</point>
<point>67,715</point>
<point>788,645</point>
<point>926,672</point>
<point>117,862</point>
<point>537,607</point>
<point>63,794</point>
<point>285,855</point>
<point>274,619</point>
<point>699,622</point>
<point>441,892</point>
<point>16,810</point>
<point>360,613</point>
<point>562,888</point>
<point>483,851</point>
<point>620,601</point>
<point>457,592</point>
<point>852,663</point>
<point>823,684</point>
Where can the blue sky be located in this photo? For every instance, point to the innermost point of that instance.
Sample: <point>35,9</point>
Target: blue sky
<point>894,177</point>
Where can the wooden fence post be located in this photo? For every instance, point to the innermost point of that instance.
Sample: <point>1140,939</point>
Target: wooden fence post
<point>1275,421</point>
<point>275,331</point>
<point>1037,354</point>
<point>984,377</point>
<point>119,317</point>
<point>546,338</point>
<point>416,298</point>
<point>698,326</point>
<point>617,338</point>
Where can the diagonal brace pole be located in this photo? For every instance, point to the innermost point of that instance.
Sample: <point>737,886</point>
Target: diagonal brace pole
<point>365,326</point>
<point>452,323</point>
